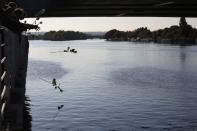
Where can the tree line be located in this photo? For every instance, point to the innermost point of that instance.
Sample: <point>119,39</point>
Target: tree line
<point>184,33</point>
<point>60,36</point>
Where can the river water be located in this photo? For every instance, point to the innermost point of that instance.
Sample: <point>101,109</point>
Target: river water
<point>120,86</point>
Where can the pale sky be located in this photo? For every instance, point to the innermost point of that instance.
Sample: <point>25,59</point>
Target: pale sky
<point>92,24</point>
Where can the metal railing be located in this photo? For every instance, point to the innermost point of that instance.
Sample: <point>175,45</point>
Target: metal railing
<point>13,69</point>
<point>4,77</point>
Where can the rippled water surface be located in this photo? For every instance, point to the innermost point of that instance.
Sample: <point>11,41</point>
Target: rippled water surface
<point>107,86</point>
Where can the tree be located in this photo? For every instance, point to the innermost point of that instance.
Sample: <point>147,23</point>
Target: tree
<point>182,22</point>
<point>184,33</point>
<point>64,35</point>
<point>110,34</point>
<point>142,32</point>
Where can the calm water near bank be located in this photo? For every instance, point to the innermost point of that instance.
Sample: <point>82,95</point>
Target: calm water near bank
<point>112,86</point>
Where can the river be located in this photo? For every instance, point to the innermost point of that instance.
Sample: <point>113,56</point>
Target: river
<point>107,86</point>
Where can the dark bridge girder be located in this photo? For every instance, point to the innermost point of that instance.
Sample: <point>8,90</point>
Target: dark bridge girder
<point>72,8</point>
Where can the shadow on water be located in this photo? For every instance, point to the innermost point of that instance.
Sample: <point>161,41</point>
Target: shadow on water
<point>44,69</point>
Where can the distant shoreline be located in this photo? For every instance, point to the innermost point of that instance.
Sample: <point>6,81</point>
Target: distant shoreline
<point>184,34</point>
<point>62,35</point>
<point>159,41</point>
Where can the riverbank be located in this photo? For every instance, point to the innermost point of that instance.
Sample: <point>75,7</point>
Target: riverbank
<point>184,34</point>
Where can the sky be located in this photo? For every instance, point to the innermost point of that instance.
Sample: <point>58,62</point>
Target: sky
<point>94,24</point>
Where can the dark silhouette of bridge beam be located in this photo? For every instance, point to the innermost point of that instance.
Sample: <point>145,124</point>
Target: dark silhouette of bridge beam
<point>72,8</point>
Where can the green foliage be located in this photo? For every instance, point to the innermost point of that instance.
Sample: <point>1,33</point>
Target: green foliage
<point>143,33</point>
<point>140,33</point>
<point>174,34</point>
<point>60,36</point>
<point>64,35</point>
<point>116,35</point>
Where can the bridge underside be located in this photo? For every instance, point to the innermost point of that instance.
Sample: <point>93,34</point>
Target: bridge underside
<point>113,8</point>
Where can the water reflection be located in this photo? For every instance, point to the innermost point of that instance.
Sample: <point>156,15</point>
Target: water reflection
<point>58,111</point>
<point>183,54</point>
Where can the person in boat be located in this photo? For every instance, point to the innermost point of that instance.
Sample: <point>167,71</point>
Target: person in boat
<point>73,51</point>
<point>68,49</point>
